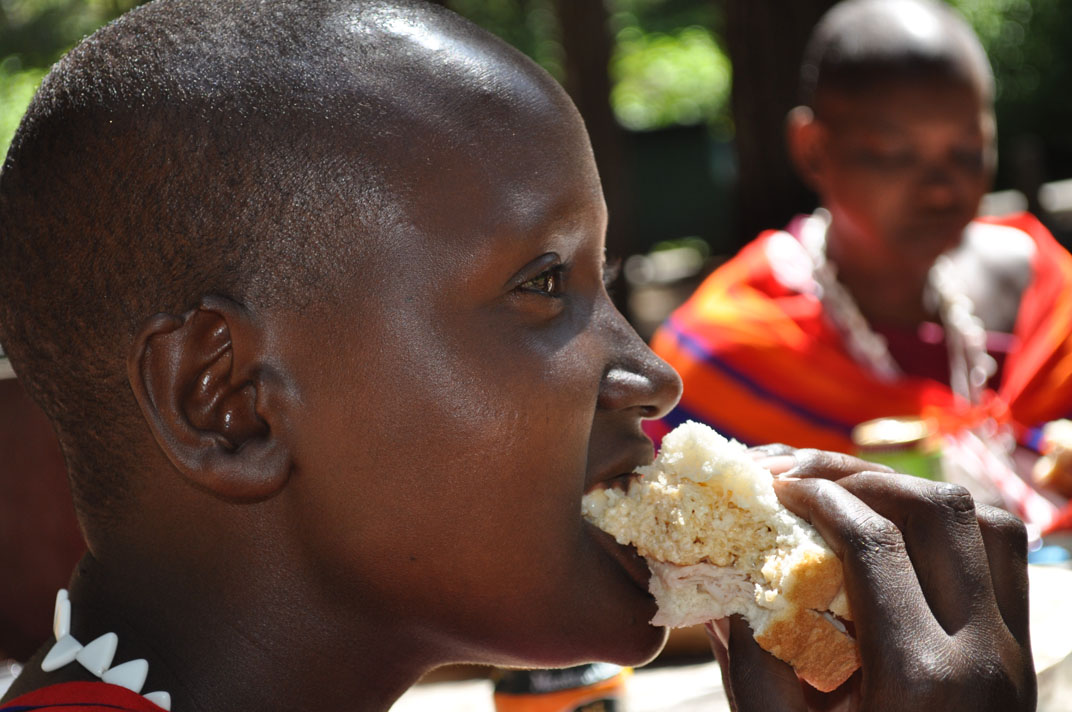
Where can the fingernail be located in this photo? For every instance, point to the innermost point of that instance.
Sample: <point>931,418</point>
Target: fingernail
<point>721,629</point>
<point>778,464</point>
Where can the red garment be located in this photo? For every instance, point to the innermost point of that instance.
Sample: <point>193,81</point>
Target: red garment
<point>761,363</point>
<point>81,697</point>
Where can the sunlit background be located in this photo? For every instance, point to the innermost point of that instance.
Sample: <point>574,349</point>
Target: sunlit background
<point>684,100</point>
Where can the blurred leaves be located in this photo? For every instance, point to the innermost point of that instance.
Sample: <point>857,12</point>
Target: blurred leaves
<point>33,35</point>
<point>1027,42</point>
<point>1011,31</point>
<point>39,31</point>
<point>17,85</point>
<point>674,79</point>
<point>529,25</point>
<point>668,67</point>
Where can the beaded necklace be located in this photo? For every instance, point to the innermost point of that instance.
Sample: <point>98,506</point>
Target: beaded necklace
<point>970,366</point>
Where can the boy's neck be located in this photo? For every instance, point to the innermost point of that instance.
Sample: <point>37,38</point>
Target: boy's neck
<point>263,649</point>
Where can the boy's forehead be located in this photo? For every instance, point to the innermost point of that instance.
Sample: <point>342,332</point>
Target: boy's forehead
<point>473,141</point>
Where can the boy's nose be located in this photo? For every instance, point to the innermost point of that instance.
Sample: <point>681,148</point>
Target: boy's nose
<point>642,381</point>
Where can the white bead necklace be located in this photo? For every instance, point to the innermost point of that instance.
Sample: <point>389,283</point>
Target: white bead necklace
<point>970,366</point>
<point>978,457</point>
<point>96,656</point>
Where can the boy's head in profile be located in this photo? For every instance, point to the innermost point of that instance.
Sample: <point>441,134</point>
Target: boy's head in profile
<point>313,295</point>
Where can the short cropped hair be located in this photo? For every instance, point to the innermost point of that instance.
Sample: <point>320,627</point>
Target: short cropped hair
<point>860,43</point>
<point>178,152</point>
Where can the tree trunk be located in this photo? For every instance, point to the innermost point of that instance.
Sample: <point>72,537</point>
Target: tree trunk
<point>587,44</point>
<point>766,39</point>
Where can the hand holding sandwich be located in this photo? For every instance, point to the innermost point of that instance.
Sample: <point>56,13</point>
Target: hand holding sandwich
<point>936,583</point>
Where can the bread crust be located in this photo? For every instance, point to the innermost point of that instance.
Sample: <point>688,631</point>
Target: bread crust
<point>822,655</point>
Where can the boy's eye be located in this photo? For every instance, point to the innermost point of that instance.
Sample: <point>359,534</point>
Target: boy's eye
<point>548,282</point>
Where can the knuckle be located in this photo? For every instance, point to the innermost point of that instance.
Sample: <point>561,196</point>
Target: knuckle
<point>953,498</point>
<point>823,463</point>
<point>873,533</point>
<point>1003,524</point>
<point>932,671</point>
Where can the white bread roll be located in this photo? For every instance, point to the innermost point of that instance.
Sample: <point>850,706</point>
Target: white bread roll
<point>718,542</point>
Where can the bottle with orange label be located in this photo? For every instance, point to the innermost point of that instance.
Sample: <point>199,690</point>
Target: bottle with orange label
<point>596,687</point>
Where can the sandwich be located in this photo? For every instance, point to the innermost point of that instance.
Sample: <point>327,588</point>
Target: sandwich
<point>718,542</point>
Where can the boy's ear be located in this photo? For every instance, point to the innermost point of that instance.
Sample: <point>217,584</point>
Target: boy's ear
<point>212,400</point>
<point>804,137</point>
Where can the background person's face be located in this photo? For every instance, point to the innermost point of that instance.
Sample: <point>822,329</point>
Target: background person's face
<point>902,169</point>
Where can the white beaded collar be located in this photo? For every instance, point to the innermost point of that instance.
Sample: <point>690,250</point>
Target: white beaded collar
<point>970,366</point>
<point>96,656</point>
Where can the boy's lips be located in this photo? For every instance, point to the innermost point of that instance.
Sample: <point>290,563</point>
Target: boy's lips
<point>622,468</point>
<point>618,474</point>
<point>625,556</point>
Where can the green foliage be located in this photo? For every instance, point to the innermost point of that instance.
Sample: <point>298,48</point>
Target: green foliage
<point>1009,30</point>
<point>665,16</point>
<point>529,25</point>
<point>39,31</point>
<point>668,79</point>
<point>667,67</point>
<point>33,35</point>
<point>17,86</point>
<point>1027,42</point>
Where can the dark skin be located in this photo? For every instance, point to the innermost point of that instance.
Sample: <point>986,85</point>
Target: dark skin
<point>955,587</point>
<point>902,167</point>
<point>338,498</point>
<point>327,480</point>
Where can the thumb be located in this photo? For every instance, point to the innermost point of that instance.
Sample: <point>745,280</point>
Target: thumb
<point>758,681</point>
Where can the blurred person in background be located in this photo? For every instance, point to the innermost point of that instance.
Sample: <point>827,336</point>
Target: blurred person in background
<point>893,300</point>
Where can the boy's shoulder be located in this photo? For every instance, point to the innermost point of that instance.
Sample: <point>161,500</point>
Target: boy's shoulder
<point>83,697</point>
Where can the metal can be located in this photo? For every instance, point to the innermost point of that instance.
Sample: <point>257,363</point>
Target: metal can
<point>597,687</point>
<point>907,444</point>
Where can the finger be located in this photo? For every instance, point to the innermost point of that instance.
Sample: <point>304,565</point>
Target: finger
<point>770,450</point>
<point>938,524</point>
<point>718,634</point>
<point>1005,539</point>
<point>777,464</point>
<point>830,465</point>
<point>719,631</point>
<point>844,699</point>
<point>887,603</point>
<point>758,681</point>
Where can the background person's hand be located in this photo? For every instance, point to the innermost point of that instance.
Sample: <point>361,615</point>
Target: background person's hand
<point>938,589</point>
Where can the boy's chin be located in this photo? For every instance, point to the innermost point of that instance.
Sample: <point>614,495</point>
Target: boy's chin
<point>627,646</point>
<point>625,637</point>
<point>641,651</point>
